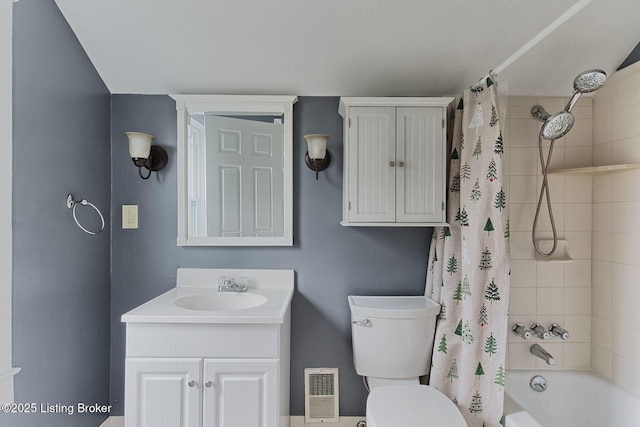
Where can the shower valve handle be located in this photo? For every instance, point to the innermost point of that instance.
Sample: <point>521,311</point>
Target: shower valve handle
<point>519,330</point>
<point>539,331</point>
<point>557,331</point>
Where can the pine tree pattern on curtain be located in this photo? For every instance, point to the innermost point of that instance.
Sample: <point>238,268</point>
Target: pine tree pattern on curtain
<point>469,270</point>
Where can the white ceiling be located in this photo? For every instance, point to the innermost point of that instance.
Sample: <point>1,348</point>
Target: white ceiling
<point>346,47</point>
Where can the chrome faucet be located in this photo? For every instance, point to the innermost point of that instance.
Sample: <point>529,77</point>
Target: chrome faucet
<point>229,284</point>
<point>540,352</point>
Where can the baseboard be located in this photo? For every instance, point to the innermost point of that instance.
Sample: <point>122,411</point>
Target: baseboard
<point>113,422</point>
<point>298,421</point>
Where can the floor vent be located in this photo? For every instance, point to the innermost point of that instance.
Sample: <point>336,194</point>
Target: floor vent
<point>321,395</point>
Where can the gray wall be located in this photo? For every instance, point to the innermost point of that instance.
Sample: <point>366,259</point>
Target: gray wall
<point>61,116</point>
<point>330,261</point>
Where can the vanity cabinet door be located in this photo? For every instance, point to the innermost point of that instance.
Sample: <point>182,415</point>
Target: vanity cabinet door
<point>163,392</point>
<point>240,393</point>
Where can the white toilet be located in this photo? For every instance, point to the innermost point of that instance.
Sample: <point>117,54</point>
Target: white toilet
<point>392,344</point>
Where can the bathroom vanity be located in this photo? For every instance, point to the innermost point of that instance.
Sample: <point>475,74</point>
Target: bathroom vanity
<point>196,356</point>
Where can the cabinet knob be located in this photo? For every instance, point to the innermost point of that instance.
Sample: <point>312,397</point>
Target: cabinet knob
<point>392,164</point>
<point>208,384</point>
<point>401,164</point>
<point>191,383</point>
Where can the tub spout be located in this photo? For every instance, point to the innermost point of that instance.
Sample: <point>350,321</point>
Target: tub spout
<point>540,352</point>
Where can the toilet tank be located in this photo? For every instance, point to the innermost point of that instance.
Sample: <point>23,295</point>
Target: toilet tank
<point>392,335</point>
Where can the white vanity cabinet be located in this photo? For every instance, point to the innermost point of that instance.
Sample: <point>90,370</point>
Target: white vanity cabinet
<point>182,392</point>
<point>214,366</point>
<point>240,382</point>
<point>394,161</point>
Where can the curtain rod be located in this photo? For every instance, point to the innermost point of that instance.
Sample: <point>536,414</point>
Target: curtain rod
<point>560,20</point>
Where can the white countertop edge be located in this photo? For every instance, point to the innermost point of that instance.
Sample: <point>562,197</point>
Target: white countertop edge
<point>162,309</point>
<point>264,320</point>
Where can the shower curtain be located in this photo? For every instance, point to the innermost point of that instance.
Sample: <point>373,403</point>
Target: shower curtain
<point>468,270</point>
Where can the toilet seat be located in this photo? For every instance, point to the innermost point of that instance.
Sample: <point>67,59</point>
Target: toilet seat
<point>411,406</point>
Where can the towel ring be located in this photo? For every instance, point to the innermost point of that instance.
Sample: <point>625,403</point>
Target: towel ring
<point>72,204</point>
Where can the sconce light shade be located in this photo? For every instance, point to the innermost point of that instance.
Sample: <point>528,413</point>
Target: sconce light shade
<point>317,157</point>
<point>139,144</point>
<point>152,157</point>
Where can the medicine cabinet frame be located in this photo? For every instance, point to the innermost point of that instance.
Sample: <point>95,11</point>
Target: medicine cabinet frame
<point>234,105</point>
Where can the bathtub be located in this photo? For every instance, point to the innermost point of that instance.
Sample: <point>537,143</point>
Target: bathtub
<point>572,399</point>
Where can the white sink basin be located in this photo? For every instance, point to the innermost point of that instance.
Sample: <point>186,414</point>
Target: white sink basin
<point>221,301</point>
<point>196,299</point>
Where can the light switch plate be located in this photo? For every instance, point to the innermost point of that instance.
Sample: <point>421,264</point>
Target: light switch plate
<point>129,216</point>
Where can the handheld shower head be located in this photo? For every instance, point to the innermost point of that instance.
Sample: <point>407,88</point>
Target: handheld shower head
<point>585,82</point>
<point>557,125</point>
<point>554,126</point>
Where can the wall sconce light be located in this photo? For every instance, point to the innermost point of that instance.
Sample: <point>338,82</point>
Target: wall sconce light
<point>153,158</point>
<point>317,157</point>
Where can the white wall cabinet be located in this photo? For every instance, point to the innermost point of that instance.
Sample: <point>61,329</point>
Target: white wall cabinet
<point>395,161</point>
<point>190,392</point>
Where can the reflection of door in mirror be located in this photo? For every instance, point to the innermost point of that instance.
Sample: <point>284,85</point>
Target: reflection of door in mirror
<point>243,172</point>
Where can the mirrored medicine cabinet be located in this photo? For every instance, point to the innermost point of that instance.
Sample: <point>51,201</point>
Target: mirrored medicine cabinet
<point>235,177</point>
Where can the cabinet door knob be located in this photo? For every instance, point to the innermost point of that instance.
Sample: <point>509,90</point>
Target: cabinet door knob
<point>208,384</point>
<point>401,164</point>
<point>191,383</point>
<point>392,164</point>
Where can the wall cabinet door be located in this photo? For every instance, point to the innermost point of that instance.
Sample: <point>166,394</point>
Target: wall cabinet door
<point>395,165</point>
<point>419,164</point>
<point>163,393</point>
<point>371,168</point>
<point>240,393</point>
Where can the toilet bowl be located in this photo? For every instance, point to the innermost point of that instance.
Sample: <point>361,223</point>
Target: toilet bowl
<point>392,342</point>
<point>411,406</point>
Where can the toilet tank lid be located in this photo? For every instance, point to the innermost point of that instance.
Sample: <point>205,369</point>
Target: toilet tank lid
<point>393,307</point>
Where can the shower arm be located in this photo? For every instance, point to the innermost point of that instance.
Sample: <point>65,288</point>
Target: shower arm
<point>573,101</point>
<point>540,113</point>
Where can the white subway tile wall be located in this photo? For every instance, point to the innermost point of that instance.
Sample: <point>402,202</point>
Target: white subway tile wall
<point>541,291</point>
<point>615,315</point>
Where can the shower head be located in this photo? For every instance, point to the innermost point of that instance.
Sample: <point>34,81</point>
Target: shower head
<point>586,82</point>
<point>589,81</point>
<point>557,125</point>
<point>554,125</point>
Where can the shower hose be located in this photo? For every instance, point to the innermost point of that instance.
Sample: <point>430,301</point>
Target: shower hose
<point>544,190</point>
